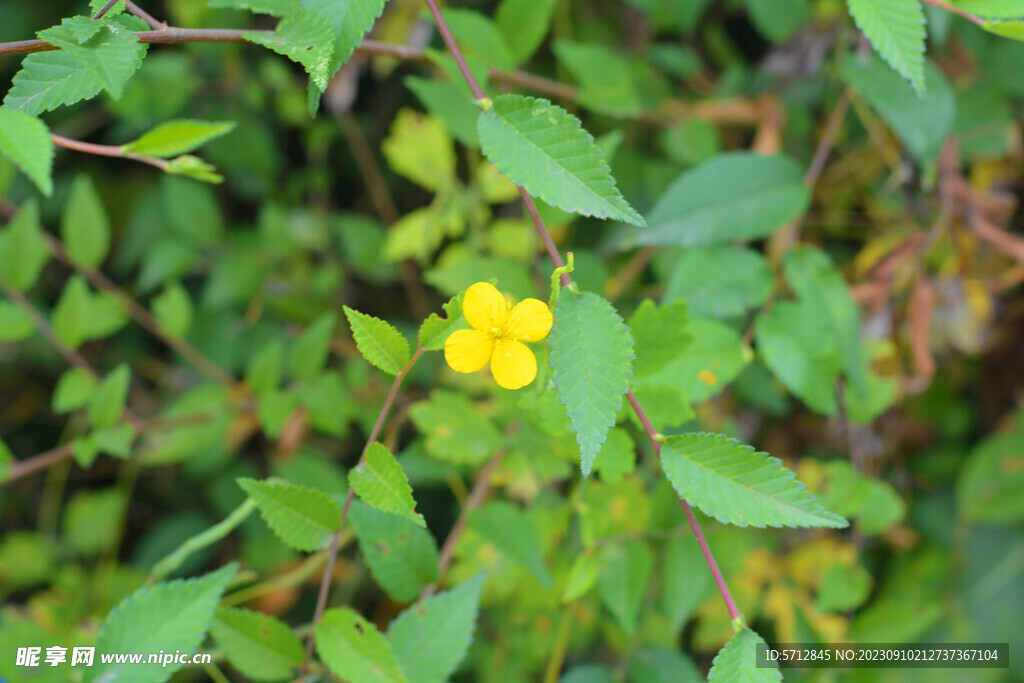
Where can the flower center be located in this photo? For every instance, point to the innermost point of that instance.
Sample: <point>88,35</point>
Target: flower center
<point>496,331</point>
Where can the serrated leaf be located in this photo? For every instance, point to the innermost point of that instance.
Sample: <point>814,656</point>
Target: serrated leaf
<point>431,637</point>
<point>166,616</point>
<point>380,343</point>
<point>381,483</point>
<point>455,429</point>
<point>108,402</point>
<point>623,578</point>
<point>23,251</point>
<point>513,534</point>
<point>799,347</point>
<point>660,334</point>
<point>173,310</point>
<point>310,351</point>
<point>277,8</point>
<point>259,646</point>
<point>302,517</point>
<point>305,37</point>
<point>401,555</point>
<point>25,140</point>
<point>736,662</point>
<point>172,138</point>
<point>48,80</point>
<point>74,388</point>
<point>351,22</point>
<point>921,123</point>
<point>720,282</point>
<point>592,354</point>
<point>355,650</point>
<point>84,226</point>
<point>524,23</point>
<point>435,330</point>
<point>109,50</point>
<point>195,168</point>
<point>15,324</point>
<point>544,149</point>
<point>737,485</point>
<point>896,29</point>
<point>734,196</point>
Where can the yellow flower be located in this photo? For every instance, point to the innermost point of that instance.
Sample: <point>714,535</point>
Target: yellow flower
<point>497,336</point>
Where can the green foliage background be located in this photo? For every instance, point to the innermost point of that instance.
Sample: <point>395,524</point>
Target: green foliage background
<point>794,224</point>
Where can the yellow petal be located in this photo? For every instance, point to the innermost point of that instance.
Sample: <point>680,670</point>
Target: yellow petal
<point>484,307</point>
<point>513,364</point>
<point>530,321</point>
<point>468,350</point>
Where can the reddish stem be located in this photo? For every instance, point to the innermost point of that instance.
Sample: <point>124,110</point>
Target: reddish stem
<point>449,40</point>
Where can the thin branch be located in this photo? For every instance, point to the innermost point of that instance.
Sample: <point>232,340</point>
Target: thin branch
<point>325,581</point>
<point>144,15</point>
<point>106,151</point>
<point>716,573</point>
<point>556,259</point>
<point>23,468</point>
<point>449,40</point>
<point>483,481</point>
<point>143,317</point>
<point>959,12</point>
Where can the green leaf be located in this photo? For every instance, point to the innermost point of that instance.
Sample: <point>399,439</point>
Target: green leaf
<point>48,80</point>
<point>305,37</point>
<point>737,661</point>
<point>661,335</point>
<point>720,282</point>
<point>402,556</point>
<point>302,517</point>
<point>513,534</point>
<point>108,402</point>
<point>74,389</point>
<point>381,483</point>
<point>115,441</point>
<point>420,149</point>
<point>524,23</point>
<point>617,458</point>
<point>6,458</point>
<point>259,646</point>
<point>446,101</point>
<point>310,351</point>
<point>23,251</point>
<point>843,589</point>
<point>92,521</point>
<point>264,372</point>
<point>544,149</point>
<point>778,20</point>
<point>84,227</point>
<point>173,310</point>
<point>435,330</point>
<point>355,650</point>
<point>109,50</point>
<point>611,82</point>
<point>70,315</point>
<point>277,8</point>
<point>477,34</point>
<point>735,196</point>
<point>455,429</point>
<point>819,285</point>
<point>799,347</point>
<point>166,616</point>
<point>25,140</point>
<point>896,29</point>
<point>624,575</point>
<point>350,21</point>
<point>922,123</point>
<point>992,9</point>
<point>737,485</point>
<point>873,504</point>
<point>194,168</point>
<point>591,353</point>
<point>1007,29</point>
<point>431,637</point>
<point>15,324</point>
<point>380,343</point>
<point>990,489</point>
<point>172,138</point>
